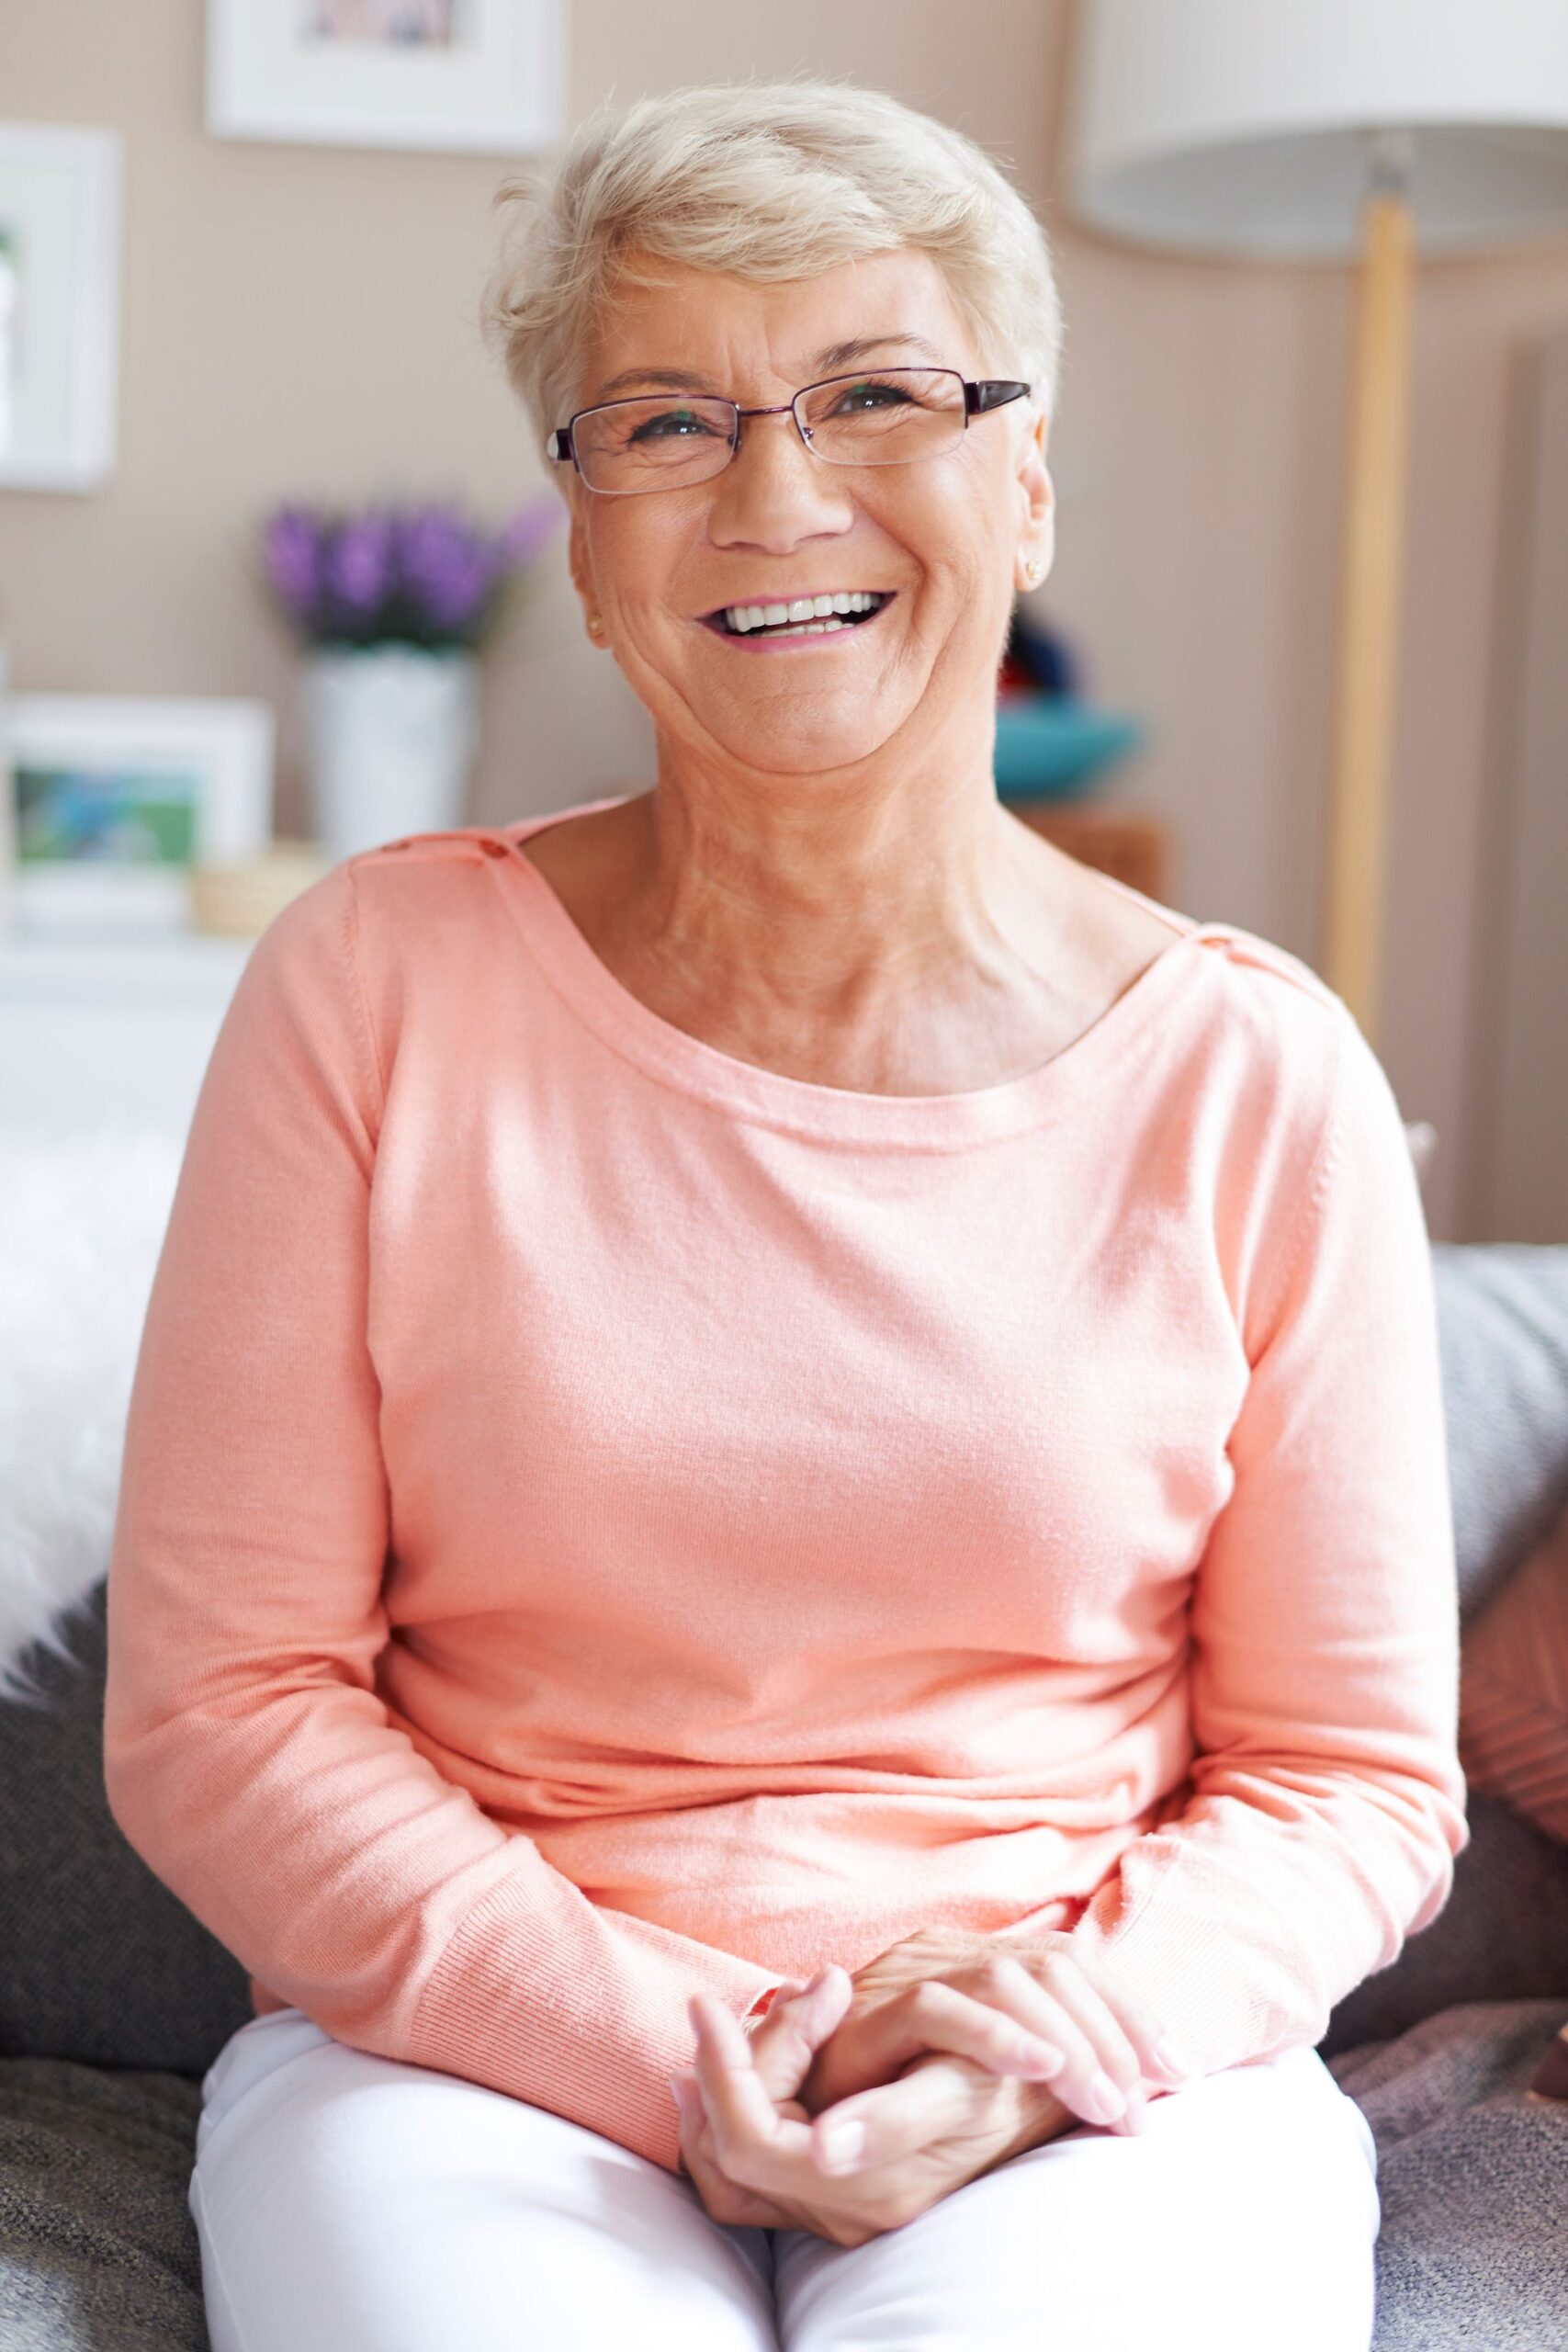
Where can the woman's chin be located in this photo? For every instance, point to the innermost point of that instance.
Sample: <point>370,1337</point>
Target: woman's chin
<point>801,731</point>
<point>785,750</point>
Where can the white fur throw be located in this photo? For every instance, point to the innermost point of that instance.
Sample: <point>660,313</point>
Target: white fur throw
<point>82,1221</point>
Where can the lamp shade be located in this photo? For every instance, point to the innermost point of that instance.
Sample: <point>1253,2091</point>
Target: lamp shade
<point>1238,126</point>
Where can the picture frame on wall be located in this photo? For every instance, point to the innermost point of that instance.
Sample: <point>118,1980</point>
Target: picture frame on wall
<point>487,75</point>
<point>60,244</point>
<point>112,801</point>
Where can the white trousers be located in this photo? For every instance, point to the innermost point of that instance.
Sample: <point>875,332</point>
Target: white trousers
<point>351,2203</point>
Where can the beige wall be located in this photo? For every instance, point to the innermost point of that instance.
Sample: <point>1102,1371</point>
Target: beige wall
<point>300,320</point>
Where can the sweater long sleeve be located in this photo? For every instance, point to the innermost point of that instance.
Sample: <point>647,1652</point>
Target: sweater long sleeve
<point>1324,1634</point>
<point>249,1756</point>
<point>600,1520</point>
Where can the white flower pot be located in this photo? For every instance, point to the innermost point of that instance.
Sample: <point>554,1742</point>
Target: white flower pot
<point>390,736</point>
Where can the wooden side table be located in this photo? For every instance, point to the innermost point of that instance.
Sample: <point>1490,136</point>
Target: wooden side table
<point>1127,843</point>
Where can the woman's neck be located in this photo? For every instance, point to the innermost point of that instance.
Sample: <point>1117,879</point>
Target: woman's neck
<point>882,960</point>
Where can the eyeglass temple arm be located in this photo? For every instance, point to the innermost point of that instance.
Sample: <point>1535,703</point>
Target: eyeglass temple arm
<point>995,392</point>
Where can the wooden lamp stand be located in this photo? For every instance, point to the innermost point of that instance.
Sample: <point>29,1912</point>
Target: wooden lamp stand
<point>1369,586</point>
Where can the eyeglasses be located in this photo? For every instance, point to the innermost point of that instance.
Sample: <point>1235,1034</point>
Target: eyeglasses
<point>897,417</point>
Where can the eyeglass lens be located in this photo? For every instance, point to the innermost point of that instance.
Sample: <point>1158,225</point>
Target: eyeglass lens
<point>670,440</point>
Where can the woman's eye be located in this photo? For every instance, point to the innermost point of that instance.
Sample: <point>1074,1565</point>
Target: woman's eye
<point>877,395</point>
<point>652,427</point>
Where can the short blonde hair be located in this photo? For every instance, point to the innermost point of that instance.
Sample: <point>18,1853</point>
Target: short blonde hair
<point>763,181</point>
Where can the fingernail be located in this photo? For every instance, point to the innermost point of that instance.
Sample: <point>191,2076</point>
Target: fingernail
<point>843,2144</point>
<point>1169,2060</point>
<point>1105,2101</point>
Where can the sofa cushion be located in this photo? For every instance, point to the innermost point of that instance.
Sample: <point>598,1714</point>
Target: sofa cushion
<point>99,1961</point>
<point>1503,1336</point>
<point>1501,1936</point>
<point>1472,2175</point>
<point>1514,1693</point>
<point>98,2252</point>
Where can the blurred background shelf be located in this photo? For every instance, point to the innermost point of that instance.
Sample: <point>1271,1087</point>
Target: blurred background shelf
<point>102,1027</point>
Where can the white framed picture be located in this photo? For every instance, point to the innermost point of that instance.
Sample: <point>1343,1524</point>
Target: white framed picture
<point>59,226</point>
<point>483,74</point>
<point>112,799</point>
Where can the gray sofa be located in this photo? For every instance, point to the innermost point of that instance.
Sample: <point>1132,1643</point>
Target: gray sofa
<point>114,2000</point>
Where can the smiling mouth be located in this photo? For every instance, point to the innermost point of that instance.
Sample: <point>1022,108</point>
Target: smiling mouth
<point>820,624</point>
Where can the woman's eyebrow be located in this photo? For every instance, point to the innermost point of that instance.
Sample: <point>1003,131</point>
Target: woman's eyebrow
<point>837,354</point>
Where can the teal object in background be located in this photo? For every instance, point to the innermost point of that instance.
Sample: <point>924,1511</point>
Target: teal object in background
<point>1049,747</point>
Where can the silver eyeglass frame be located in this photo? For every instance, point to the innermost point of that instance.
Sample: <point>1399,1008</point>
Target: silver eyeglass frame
<point>979,397</point>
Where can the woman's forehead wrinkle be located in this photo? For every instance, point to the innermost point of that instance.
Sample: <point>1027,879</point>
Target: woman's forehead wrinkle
<point>833,354</point>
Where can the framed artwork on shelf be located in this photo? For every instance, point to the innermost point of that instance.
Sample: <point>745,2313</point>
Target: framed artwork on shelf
<point>111,800</point>
<point>60,223</point>
<point>488,75</point>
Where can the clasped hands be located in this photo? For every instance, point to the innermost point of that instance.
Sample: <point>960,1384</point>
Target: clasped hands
<point>947,2053</point>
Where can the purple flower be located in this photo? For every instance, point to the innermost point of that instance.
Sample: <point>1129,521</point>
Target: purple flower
<point>417,573</point>
<point>446,569</point>
<point>291,552</point>
<point>360,563</point>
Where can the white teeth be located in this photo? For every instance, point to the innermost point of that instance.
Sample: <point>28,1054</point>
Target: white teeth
<point>742,617</point>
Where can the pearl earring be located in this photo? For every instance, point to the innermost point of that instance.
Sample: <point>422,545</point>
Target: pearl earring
<point>1033,573</point>
<point>594,624</point>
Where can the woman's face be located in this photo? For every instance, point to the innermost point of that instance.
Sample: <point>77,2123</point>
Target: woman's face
<point>947,535</point>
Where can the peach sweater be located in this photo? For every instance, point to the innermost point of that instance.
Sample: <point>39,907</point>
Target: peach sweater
<point>601,1518</point>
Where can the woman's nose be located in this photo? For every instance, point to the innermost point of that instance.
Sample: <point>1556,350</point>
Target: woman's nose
<point>774,472</point>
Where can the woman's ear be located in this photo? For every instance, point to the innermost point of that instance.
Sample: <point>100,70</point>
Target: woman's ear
<point>577,550</point>
<point>580,568</point>
<point>1037,535</point>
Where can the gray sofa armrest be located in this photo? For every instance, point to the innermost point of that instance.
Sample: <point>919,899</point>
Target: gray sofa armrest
<point>1501,1936</point>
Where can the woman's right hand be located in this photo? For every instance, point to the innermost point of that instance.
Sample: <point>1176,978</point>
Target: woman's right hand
<point>756,2157</point>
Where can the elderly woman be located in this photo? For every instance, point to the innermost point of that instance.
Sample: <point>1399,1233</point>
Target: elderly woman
<point>786,1449</point>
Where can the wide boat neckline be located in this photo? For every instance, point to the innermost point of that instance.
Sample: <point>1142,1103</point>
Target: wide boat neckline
<point>1128,1024</point>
